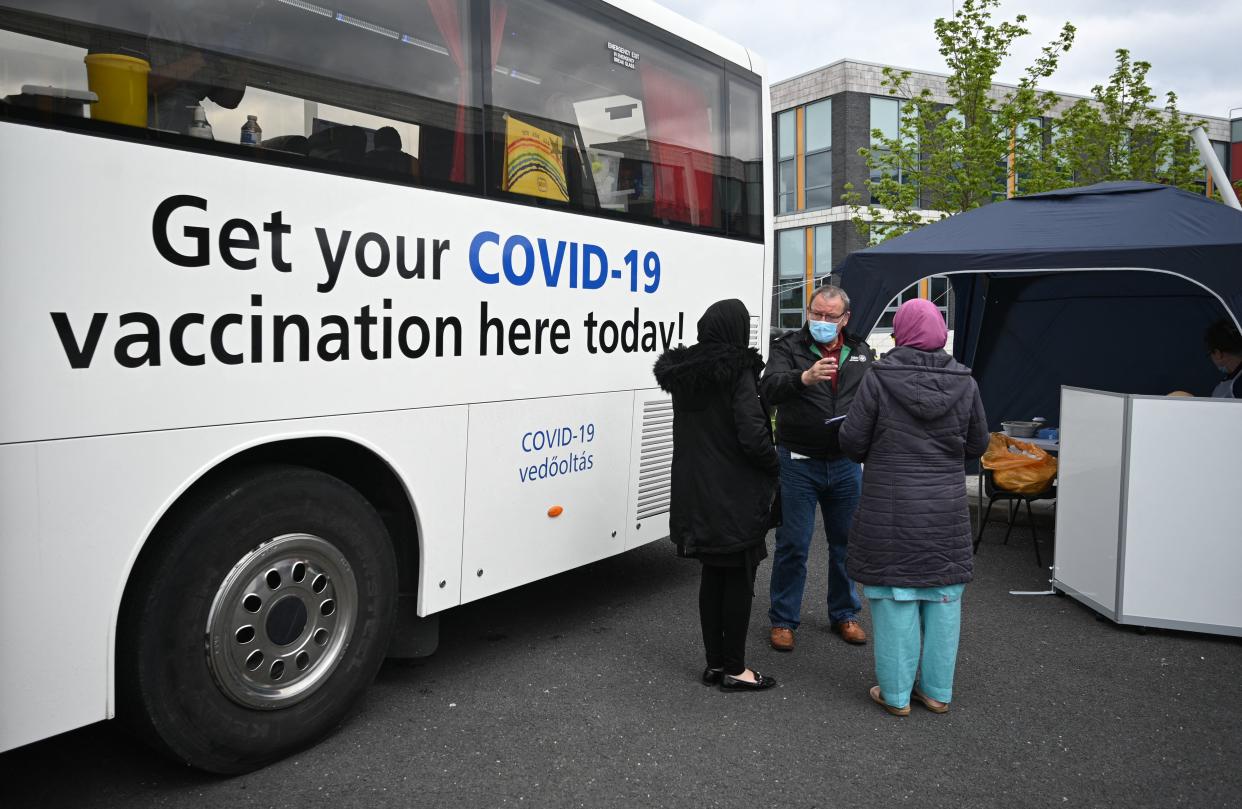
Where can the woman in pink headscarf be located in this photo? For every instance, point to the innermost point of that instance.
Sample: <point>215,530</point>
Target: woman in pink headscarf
<point>914,422</point>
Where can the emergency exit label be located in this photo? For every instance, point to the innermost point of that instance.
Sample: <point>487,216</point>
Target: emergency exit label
<point>623,56</point>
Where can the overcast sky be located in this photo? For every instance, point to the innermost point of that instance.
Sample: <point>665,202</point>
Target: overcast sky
<point>1192,45</point>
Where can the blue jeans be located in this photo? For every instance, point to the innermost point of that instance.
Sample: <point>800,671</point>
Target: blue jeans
<point>835,486</point>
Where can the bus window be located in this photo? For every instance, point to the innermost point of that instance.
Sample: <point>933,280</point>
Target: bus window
<point>590,114</point>
<point>743,197</point>
<point>371,88</point>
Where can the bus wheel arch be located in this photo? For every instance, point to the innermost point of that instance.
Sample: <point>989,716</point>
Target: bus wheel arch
<point>307,530</point>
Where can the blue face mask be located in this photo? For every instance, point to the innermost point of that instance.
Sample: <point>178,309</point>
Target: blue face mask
<point>822,332</point>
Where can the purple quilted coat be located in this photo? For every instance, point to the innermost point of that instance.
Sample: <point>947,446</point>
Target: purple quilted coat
<point>914,422</point>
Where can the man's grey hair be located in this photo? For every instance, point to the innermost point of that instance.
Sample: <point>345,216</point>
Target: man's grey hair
<point>831,291</point>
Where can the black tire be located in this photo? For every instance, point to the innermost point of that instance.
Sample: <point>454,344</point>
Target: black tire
<point>184,685</point>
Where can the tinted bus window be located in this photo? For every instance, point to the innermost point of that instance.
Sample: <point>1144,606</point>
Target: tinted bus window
<point>368,87</point>
<point>586,112</point>
<point>743,203</point>
<point>592,115</point>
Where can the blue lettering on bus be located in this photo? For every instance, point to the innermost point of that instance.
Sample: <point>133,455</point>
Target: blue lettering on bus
<point>578,265</point>
<point>539,440</point>
<point>589,252</point>
<point>528,263</point>
<point>476,245</point>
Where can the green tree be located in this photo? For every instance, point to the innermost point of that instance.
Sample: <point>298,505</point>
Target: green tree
<point>1119,134</point>
<point>949,158</point>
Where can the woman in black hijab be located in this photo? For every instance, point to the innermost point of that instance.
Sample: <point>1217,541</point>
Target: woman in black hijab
<point>723,481</point>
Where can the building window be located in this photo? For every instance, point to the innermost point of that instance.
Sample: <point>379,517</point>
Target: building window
<point>823,254</point>
<point>886,117</point>
<point>786,163</point>
<point>790,277</point>
<point>1222,153</point>
<point>940,292</point>
<point>818,122</point>
<point>1030,131</point>
<point>886,319</point>
<point>935,288</point>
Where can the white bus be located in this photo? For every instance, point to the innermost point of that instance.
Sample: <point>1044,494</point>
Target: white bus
<point>319,317</point>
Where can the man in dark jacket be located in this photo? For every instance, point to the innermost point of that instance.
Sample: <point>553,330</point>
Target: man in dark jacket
<point>811,377</point>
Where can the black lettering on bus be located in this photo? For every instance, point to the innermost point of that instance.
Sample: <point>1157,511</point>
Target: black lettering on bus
<point>419,348</point>
<point>79,356</point>
<point>331,261</point>
<point>360,255</point>
<point>256,331</point>
<point>217,339</point>
<point>364,320</point>
<point>159,230</point>
<point>341,338</point>
<point>280,324</point>
<point>388,329</point>
<point>417,270</point>
<point>276,226</point>
<point>444,324</point>
<point>176,339</point>
<point>439,247</point>
<point>150,337</point>
<point>248,241</point>
<point>490,323</point>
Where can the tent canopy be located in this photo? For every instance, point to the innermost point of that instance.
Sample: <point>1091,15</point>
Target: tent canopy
<point>1108,287</point>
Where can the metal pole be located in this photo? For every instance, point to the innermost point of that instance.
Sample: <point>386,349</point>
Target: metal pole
<point>1214,167</point>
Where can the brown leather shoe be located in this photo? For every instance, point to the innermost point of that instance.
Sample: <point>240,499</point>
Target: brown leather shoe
<point>850,632</point>
<point>878,699</point>
<point>933,705</point>
<point>782,638</point>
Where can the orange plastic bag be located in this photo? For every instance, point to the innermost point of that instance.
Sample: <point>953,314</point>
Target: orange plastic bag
<point>1017,465</point>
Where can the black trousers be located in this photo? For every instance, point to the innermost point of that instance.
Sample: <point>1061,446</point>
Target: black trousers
<point>724,611</point>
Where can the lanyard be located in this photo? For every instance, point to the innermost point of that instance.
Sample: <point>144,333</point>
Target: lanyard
<point>845,352</point>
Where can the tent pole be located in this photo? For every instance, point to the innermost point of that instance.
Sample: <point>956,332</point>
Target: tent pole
<point>1208,154</point>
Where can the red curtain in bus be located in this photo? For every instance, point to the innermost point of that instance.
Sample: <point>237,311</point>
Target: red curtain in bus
<point>449,22</point>
<point>681,147</point>
<point>500,10</point>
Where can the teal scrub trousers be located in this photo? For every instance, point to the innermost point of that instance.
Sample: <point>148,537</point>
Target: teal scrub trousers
<point>915,631</point>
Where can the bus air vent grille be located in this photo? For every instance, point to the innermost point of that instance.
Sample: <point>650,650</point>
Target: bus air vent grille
<point>655,460</point>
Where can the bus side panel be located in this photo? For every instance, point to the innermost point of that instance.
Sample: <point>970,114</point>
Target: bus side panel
<point>75,514</point>
<point>651,464</point>
<point>45,685</point>
<point>545,488</point>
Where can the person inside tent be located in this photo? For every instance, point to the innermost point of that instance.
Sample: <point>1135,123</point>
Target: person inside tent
<point>1224,345</point>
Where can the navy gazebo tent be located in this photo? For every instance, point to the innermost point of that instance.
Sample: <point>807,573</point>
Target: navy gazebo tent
<point>1108,287</point>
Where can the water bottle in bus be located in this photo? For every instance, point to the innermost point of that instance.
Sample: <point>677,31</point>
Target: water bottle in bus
<point>199,127</point>
<point>251,132</point>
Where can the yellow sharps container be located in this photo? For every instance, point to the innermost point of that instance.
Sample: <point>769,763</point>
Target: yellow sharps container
<point>120,81</point>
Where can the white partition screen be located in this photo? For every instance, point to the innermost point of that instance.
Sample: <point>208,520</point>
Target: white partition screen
<point>1183,526</point>
<point>1089,490</point>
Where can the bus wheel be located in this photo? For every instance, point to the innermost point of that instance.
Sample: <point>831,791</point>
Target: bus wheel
<point>256,620</point>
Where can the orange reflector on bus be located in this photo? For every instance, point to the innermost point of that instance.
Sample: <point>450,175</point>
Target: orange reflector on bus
<point>555,511</point>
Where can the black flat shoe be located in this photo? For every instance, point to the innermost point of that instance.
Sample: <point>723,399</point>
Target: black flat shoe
<point>711,676</point>
<point>762,682</point>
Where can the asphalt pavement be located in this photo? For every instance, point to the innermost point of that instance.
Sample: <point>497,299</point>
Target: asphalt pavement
<point>582,691</point>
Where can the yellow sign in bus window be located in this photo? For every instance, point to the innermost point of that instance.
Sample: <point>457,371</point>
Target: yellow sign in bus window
<point>533,162</point>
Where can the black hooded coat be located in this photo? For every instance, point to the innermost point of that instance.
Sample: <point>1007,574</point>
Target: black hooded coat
<point>724,463</point>
<point>915,421</point>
